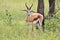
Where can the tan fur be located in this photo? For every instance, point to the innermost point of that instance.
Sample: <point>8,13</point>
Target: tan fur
<point>30,19</point>
<point>33,16</point>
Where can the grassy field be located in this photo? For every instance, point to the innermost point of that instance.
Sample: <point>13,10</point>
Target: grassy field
<point>14,27</point>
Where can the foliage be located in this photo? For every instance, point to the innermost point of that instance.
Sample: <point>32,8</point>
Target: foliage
<point>14,27</point>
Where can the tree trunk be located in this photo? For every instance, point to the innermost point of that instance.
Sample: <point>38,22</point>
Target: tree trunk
<point>51,7</point>
<point>40,9</point>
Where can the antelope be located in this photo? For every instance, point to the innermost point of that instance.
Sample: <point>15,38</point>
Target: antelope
<point>33,18</point>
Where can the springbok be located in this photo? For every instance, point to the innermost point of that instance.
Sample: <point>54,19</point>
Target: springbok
<point>33,18</point>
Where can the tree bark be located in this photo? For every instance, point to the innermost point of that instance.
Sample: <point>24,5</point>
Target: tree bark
<point>51,7</point>
<point>40,9</point>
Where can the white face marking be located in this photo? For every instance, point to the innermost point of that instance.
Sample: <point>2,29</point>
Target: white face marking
<point>28,12</point>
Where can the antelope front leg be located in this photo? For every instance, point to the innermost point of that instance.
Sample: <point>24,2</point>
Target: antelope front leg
<point>32,27</point>
<point>28,26</point>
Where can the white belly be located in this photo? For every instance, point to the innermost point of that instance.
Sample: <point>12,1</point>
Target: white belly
<point>34,22</point>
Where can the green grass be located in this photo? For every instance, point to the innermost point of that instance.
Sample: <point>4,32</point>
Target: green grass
<point>14,27</point>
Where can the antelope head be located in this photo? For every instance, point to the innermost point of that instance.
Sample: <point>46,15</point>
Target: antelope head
<point>28,9</point>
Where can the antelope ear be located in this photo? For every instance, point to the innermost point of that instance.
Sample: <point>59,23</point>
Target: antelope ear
<point>23,10</point>
<point>33,11</point>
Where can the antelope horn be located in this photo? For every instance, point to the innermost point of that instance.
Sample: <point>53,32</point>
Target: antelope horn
<point>26,6</point>
<point>31,6</point>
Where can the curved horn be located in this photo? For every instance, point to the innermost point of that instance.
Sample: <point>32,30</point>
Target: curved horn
<point>31,6</point>
<point>26,6</point>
